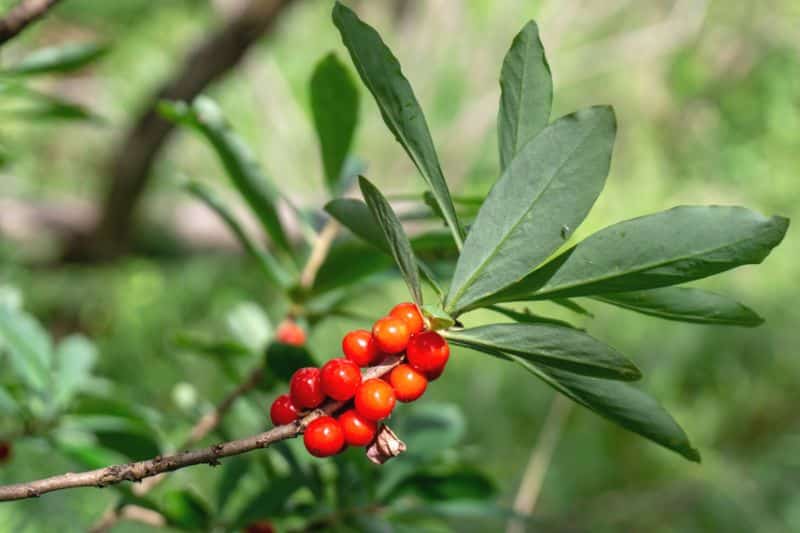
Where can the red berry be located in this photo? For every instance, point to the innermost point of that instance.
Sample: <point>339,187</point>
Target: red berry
<point>5,451</point>
<point>324,437</point>
<point>305,388</point>
<point>433,375</point>
<point>358,431</point>
<point>374,399</point>
<point>283,411</point>
<point>409,313</point>
<point>428,351</point>
<point>408,384</point>
<point>340,378</point>
<point>262,526</point>
<point>391,334</point>
<point>290,333</point>
<point>360,347</point>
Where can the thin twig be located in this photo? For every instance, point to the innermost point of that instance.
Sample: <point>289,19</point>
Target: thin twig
<point>18,18</point>
<point>111,475</point>
<point>531,485</point>
<point>318,253</point>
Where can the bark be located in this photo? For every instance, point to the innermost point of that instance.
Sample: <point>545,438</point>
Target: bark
<point>21,16</point>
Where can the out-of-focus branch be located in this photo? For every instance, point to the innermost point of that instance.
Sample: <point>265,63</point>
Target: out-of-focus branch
<point>21,16</point>
<point>131,164</point>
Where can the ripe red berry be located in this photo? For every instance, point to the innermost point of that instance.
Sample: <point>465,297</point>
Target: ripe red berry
<point>340,378</point>
<point>408,383</point>
<point>409,313</point>
<point>360,347</point>
<point>5,451</point>
<point>358,431</point>
<point>262,526</point>
<point>428,351</point>
<point>324,437</point>
<point>391,334</point>
<point>433,375</point>
<point>305,388</point>
<point>283,411</point>
<point>290,333</point>
<point>374,399</point>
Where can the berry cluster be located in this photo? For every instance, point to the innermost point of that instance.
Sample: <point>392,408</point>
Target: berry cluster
<point>369,401</point>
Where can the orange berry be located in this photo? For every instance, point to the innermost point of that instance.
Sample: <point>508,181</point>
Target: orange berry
<point>391,334</point>
<point>409,313</point>
<point>408,383</point>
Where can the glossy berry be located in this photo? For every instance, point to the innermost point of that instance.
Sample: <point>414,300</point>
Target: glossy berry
<point>324,437</point>
<point>358,431</point>
<point>5,451</point>
<point>428,351</point>
<point>305,388</point>
<point>409,313</point>
<point>374,399</point>
<point>290,333</point>
<point>340,378</point>
<point>360,347</point>
<point>433,375</point>
<point>408,383</point>
<point>283,411</point>
<point>262,526</point>
<point>391,334</point>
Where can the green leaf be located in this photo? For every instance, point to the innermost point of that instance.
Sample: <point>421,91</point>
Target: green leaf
<point>621,403</point>
<point>210,345</point>
<point>685,304</point>
<point>74,359</point>
<point>186,510</point>
<point>551,345</point>
<point>271,268</point>
<point>566,303</point>
<point>430,428</point>
<point>526,93</point>
<point>62,58</point>
<point>381,73</point>
<point>233,472</point>
<point>29,347</point>
<point>543,195</point>
<point>8,405</point>
<point>268,503</point>
<point>205,117</point>
<point>667,248</point>
<point>395,236</point>
<point>282,360</point>
<point>334,107</point>
<point>526,317</point>
<point>50,108</point>
<point>446,484</point>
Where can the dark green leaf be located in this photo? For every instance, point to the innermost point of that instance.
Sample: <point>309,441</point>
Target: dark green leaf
<point>667,248</point>
<point>283,359</point>
<point>50,108</point>
<point>57,59</point>
<point>451,484</point>
<point>185,509</point>
<point>551,345</point>
<point>526,93</point>
<point>685,304</point>
<point>28,345</point>
<point>268,264</point>
<point>209,345</point>
<point>334,106</point>
<point>621,403</point>
<point>241,165</point>
<point>356,216</point>
<point>232,473</point>
<point>395,236</point>
<point>527,317</point>
<point>269,502</point>
<point>566,303</point>
<point>381,73</point>
<point>543,195</point>
<point>430,428</point>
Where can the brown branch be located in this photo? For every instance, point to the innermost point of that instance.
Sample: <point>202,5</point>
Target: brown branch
<point>19,17</point>
<point>318,253</point>
<point>111,475</point>
<point>131,164</point>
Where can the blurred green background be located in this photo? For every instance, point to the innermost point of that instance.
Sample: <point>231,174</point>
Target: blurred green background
<point>708,101</point>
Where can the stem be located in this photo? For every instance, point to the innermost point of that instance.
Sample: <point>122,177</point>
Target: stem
<point>111,475</point>
<point>18,18</point>
<point>318,253</point>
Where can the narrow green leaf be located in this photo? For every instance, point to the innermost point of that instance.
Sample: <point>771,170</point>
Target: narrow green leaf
<point>527,317</point>
<point>271,268</point>
<point>282,360</point>
<point>395,236</point>
<point>62,58</point>
<point>29,347</point>
<point>205,117</point>
<point>381,73</point>
<point>186,510</point>
<point>543,195</point>
<point>685,304</point>
<point>356,216</point>
<point>526,93</point>
<point>621,403</point>
<point>74,359</point>
<point>573,306</point>
<point>451,483</point>
<point>211,345</point>
<point>551,345</point>
<point>334,107</point>
<point>268,503</point>
<point>667,248</point>
<point>233,472</point>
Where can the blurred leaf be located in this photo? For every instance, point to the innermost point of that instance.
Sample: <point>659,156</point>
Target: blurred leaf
<point>543,195</point>
<point>339,271</point>
<point>381,73</point>
<point>210,345</point>
<point>685,304</point>
<point>619,402</point>
<point>666,248</point>
<point>8,405</point>
<point>50,108</point>
<point>334,106</point>
<point>61,58</point>
<point>251,326</point>
<point>29,347</point>
<point>283,359</point>
<point>268,503</point>
<point>451,484</point>
<point>430,428</point>
<point>264,259</point>
<point>526,93</point>
<point>554,346</point>
<point>566,303</point>
<point>75,358</point>
<point>395,236</point>
<point>259,192</point>
<point>186,510</point>
<point>233,471</point>
<point>90,456</point>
